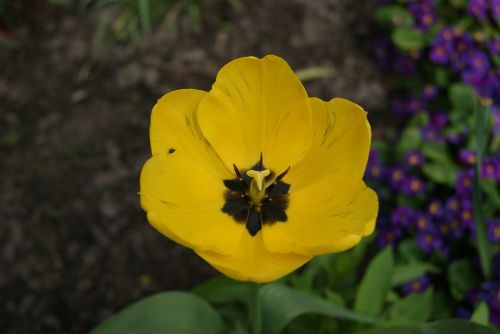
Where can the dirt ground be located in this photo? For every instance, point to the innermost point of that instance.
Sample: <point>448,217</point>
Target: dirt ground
<point>75,245</point>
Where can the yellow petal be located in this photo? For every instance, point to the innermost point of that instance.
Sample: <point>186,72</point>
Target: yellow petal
<point>252,262</point>
<point>174,127</point>
<point>257,105</point>
<point>183,201</point>
<point>321,219</point>
<point>341,143</point>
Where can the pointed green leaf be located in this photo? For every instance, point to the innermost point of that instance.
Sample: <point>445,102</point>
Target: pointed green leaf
<point>408,272</point>
<point>167,312</point>
<point>481,314</point>
<point>413,308</point>
<point>438,327</point>
<point>281,304</point>
<point>408,39</point>
<point>375,284</point>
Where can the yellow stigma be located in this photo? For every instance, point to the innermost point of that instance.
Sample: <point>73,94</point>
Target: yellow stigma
<point>258,177</point>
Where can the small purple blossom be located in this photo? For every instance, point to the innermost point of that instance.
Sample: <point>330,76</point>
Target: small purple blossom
<point>403,216</point>
<point>453,204</point>
<point>388,236</point>
<point>414,159</point>
<point>413,186</point>
<point>418,285</point>
<point>464,182</point>
<point>423,222</point>
<point>438,119</point>
<point>467,157</point>
<point>432,133</point>
<point>478,62</point>
<point>435,208</point>
<point>494,46</point>
<point>495,9</point>
<point>397,177</point>
<point>429,240</point>
<point>430,91</point>
<point>490,169</point>
<point>493,226</point>
<point>478,8</point>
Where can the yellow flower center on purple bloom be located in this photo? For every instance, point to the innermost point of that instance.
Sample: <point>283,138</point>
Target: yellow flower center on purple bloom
<point>415,185</point>
<point>434,208</point>
<point>444,229</point>
<point>376,171</point>
<point>496,232</point>
<point>455,224</point>
<point>466,215</point>
<point>398,175</point>
<point>471,159</point>
<point>422,223</point>
<point>414,160</point>
<point>467,182</point>
<point>416,286</point>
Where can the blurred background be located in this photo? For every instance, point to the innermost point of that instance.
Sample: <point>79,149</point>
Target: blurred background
<point>77,82</point>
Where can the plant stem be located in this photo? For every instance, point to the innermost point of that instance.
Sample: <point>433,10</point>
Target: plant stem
<point>482,239</point>
<point>255,311</point>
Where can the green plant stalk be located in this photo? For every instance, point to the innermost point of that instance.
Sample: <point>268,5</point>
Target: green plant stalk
<point>255,309</point>
<point>482,240</point>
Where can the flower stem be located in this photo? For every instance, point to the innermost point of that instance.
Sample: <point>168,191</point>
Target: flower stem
<point>255,311</point>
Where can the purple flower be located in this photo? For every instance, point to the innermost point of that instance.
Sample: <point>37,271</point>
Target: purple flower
<point>424,13</point>
<point>435,208</point>
<point>495,9</point>
<point>490,292</point>
<point>493,226</point>
<point>374,169</point>
<point>384,52</point>
<point>464,182</point>
<point>467,156</point>
<point>478,62</point>
<point>439,54</point>
<point>397,177</point>
<point>403,216</point>
<point>429,240</point>
<point>438,119</point>
<point>478,8</point>
<point>453,204</point>
<point>494,46</point>
<point>418,285</point>
<point>466,215</point>
<point>450,228</point>
<point>388,236</point>
<point>433,134</point>
<point>423,222</point>
<point>414,159</point>
<point>490,169</point>
<point>413,186</point>
<point>430,91</point>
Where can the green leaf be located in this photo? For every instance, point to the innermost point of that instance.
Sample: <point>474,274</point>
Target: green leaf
<point>461,278</point>
<point>221,290</point>
<point>437,152</point>
<point>481,314</point>
<point>167,312</point>
<point>441,173</point>
<point>393,15</point>
<point>406,273</point>
<point>280,305</point>
<point>495,143</point>
<point>438,327</point>
<point>462,97</point>
<point>413,308</point>
<point>491,190</point>
<point>408,39</point>
<point>410,139</point>
<point>375,284</point>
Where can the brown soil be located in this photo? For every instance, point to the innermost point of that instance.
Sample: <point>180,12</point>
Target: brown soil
<point>75,245</point>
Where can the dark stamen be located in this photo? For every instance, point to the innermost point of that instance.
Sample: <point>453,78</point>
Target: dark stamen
<point>260,162</point>
<point>282,175</point>
<point>237,171</point>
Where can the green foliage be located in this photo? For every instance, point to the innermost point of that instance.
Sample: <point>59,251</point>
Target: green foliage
<point>375,284</point>
<point>280,305</point>
<point>168,312</point>
<point>481,314</point>
<point>393,15</point>
<point>461,277</point>
<point>414,308</point>
<point>438,327</point>
<point>408,39</point>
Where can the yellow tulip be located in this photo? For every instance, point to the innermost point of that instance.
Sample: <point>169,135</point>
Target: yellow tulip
<point>255,176</point>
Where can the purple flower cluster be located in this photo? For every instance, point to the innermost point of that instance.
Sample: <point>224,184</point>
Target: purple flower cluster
<point>457,48</point>
<point>481,8</point>
<point>424,13</point>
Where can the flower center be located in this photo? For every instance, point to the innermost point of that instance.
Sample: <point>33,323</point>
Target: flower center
<point>256,197</point>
